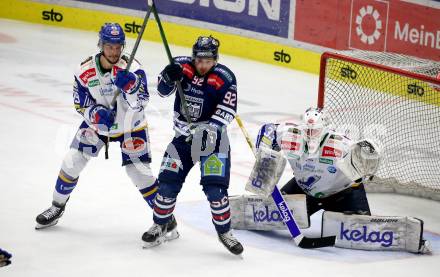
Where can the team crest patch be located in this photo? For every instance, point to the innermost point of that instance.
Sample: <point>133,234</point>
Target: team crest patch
<point>134,145</point>
<point>213,165</point>
<point>195,107</point>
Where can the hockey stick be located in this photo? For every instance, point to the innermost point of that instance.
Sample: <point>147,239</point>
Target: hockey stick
<point>130,61</point>
<point>170,59</point>
<point>133,52</point>
<point>286,214</point>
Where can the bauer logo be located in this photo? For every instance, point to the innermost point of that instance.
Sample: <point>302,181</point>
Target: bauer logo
<point>281,56</point>
<point>416,89</point>
<point>52,16</point>
<point>368,24</point>
<point>132,28</point>
<point>364,235</point>
<point>348,72</point>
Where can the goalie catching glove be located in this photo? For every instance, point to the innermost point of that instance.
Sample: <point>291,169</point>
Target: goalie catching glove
<point>362,161</point>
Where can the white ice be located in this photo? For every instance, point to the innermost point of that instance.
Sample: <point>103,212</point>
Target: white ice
<point>99,234</point>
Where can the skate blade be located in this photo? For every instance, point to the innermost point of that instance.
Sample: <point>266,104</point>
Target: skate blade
<point>157,242</point>
<point>172,235</point>
<point>40,226</point>
<point>168,237</point>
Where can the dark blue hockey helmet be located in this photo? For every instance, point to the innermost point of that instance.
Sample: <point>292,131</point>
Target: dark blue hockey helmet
<point>111,33</point>
<point>206,47</point>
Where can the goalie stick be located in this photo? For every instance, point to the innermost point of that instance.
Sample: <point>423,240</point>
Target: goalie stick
<point>300,240</point>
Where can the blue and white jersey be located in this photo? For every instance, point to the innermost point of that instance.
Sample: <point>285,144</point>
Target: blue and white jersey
<point>94,86</point>
<point>210,99</point>
<point>317,173</point>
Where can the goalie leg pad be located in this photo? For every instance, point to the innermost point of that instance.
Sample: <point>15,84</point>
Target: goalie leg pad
<point>267,171</point>
<point>365,232</point>
<point>254,212</point>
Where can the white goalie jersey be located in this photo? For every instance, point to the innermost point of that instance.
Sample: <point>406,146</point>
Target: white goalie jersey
<point>324,172</point>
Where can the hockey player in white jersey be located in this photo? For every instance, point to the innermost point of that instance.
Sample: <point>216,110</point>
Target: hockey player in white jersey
<point>318,157</point>
<point>330,169</point>
<point>96,81</point>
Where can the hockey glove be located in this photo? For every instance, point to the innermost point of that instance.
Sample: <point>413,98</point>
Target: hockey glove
<point>172,73</point>
<point>267,137</point>
<point>206,135</point>
<point>102,117</point>
<point>126,81</point>
<point>4,258</point>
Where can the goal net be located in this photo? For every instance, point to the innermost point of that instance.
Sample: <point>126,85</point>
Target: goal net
<point>394,99</point>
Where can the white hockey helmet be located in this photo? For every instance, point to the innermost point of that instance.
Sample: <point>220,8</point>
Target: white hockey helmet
<point>315,123</point>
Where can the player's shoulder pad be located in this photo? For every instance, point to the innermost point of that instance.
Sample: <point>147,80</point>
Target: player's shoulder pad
<point>86,64</point>
<point>224,73</point>
<point>292,128</point>
<point>334,137</point>
<point>222,77</point>
<point>86,70</point>
<point>86,60</point>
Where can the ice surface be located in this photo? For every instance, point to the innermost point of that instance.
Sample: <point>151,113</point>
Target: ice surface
<point>99,234</point>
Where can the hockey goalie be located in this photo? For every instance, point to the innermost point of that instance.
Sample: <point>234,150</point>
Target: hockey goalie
<point>330,170</point>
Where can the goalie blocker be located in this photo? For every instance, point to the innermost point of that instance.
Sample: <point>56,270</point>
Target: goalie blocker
<point>267,171</point>
<point>364,232</point>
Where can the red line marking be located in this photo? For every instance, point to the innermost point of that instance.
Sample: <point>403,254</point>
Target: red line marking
<point>35,113</point>
<point>4,38</point>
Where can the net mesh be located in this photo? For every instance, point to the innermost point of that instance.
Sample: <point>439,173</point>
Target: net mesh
<point>400,111</point>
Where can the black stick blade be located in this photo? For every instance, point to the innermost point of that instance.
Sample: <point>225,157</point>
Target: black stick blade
<point>310,243</point>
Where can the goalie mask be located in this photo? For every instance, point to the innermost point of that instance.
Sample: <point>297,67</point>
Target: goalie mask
<point>315,126</point>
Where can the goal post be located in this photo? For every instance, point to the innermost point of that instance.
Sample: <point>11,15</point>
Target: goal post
<point>394,99</point>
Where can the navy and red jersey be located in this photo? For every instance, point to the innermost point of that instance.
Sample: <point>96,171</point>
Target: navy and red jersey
<point>211,98</point>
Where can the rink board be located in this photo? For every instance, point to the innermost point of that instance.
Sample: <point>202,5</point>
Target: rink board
<point>92,20</point>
